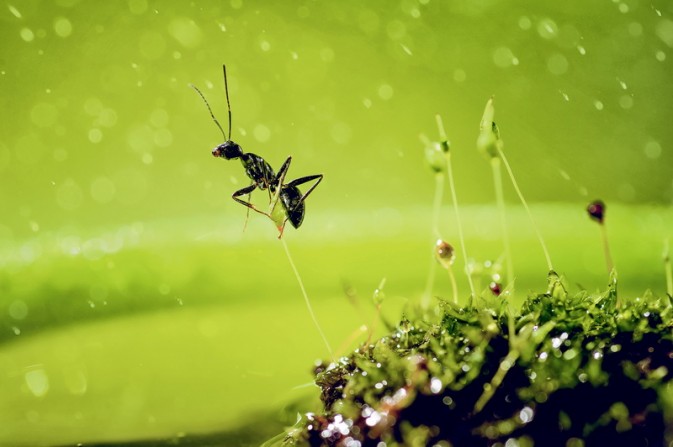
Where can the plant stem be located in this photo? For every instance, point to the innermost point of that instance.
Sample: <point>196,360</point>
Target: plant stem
<point>436,206</point>
<point>306,300</point>
<point>452,186</point>
<point>454,286</point>
<point>501,154</point>
<point>669,269</point>
<point>606,248</point>
<point>499,196</point>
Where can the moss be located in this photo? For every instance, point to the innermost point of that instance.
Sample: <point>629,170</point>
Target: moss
<point>566,370</point>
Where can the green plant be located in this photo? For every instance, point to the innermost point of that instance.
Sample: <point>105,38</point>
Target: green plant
<point>567,369</point>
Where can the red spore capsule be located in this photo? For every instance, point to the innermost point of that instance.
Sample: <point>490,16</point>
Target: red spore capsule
<point>596,210</point>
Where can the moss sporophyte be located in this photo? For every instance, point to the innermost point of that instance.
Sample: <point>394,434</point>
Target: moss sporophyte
<point>566,369</point>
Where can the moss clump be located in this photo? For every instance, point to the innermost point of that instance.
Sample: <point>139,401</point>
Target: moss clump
<point>582,370</point>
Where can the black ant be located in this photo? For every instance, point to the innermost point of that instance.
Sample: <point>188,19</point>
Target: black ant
<point>262,176</point>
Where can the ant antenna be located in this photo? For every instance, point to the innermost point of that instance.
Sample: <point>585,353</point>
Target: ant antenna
<point>226,92</point>
<point>211,110</point>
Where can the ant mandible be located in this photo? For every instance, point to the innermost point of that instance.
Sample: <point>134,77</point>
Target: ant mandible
<point>263,177</point>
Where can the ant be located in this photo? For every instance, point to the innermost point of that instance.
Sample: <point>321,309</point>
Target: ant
<point>263,177</point>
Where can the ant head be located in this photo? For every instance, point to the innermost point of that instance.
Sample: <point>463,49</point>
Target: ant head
<point>228,150</point>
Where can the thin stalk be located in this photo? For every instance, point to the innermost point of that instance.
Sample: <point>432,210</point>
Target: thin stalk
<point>606,249</point>
<point>500,198</point>
<point>306,300</point>
<point>669,269</point>
<point>436,206</point>
<point>505,365</point>
<point>454,285</point>
<point>501,154</point>
<point>452,186</point>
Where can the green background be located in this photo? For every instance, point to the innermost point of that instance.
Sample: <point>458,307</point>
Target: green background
<point>133,305</point>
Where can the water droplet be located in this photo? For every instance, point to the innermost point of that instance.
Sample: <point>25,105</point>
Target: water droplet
<point>459,75</point>
<point>15,12</point>
<point>367,103</point>
<point>62,27</point>
<point>435,385</point>
<point>526,415</point>
<point>623,8</point>
<point>598,104</point>
<point>547,28</point>
<point>660,55</point>
<point>565,95</point>
<point>581,50</point>
<point>16,330</point>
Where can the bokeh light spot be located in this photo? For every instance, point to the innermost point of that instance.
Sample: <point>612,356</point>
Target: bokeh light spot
<point>152,45</point>
<point>43,114</point>
<point>385,91</point>
<point>626,101</point>
<point>102,190</point>
<point>503,57</point>
<point>557,64</point>
<point>69,195</point>
<point>95,135</point>
<point>27,34</point>
<point>547,28</point>
<point>261,133</point>
<point>652,149</point>
<point>62,27</point>
<point>137,6</point>
<point>186,32</point>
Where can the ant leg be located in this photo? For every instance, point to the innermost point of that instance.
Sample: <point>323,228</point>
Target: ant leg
<point>247,213</point>
<point>278,181</point>
<point>247,190</point>
<point>301,181</point>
